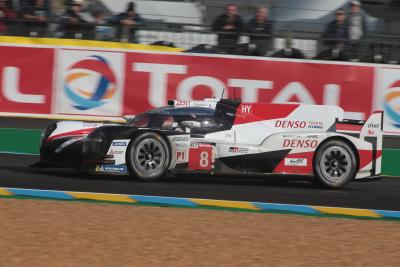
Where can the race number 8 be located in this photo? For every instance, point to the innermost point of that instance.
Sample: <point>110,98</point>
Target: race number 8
<point>204,159</point>
<point>201,158</point>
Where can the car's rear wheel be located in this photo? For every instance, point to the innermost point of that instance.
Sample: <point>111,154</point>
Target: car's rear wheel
<point>335,164</point>
<point>148,156</point>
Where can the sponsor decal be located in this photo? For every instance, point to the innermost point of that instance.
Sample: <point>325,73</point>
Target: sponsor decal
<point>234,149</point>
<point>182,103</point>
<point>194,145</point>
<point>85,98</point>
<point>180,156</point>
<point>90,83</point>
<point>315,125</point>
<point>245,109</point>
<point>371,132</point>
<point>115,152</point>
<point>180,139</point>
<point>373,125</point>
<point>181,145</point>
<point>299,143</point>
<point>391,103</point>
<point>290,124</point>
<point>112,168</point>
<point>119,143</point>
<point>300,162</point>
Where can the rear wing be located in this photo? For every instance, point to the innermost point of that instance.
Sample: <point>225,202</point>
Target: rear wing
<point>372,127</point>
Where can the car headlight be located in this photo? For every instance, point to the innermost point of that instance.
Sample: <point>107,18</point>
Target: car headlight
<point>93,144</point>
<point>47,131</point>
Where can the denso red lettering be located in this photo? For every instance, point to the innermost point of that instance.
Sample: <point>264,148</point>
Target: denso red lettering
<point>286,142</point>
<point>290,124</point>
<point>299,143</point>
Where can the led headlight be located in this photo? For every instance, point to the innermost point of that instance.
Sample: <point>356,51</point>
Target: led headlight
<point>93,144</point>
<point>47,131</point>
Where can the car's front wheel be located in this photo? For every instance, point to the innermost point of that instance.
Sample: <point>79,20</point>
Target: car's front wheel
<point>335,164</point>
<point>148,156</point>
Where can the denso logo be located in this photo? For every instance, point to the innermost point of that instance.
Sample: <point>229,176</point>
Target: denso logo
<point>290,124</point>
<point>298,143</point>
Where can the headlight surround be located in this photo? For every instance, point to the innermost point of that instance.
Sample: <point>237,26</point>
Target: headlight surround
<point>47,131</point>
<point>94,143</point>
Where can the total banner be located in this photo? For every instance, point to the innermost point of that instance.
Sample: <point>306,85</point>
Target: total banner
<point>84,81</point>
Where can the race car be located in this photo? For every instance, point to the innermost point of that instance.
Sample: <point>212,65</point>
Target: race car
<point>222,137</point>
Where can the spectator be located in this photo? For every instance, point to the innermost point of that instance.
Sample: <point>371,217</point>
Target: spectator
<point>336,32</point>
<point>334,38</point>
<point>260,25</point>
<point>7,15</point>
<point>357,29</point>
<point>128,21</point>
<point>35,15</point>
<point>231,24</point>
<point>102,30</point>
<point>289,51</point>
<point>73,22</point>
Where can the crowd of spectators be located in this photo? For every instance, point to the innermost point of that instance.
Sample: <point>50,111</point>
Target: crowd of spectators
<point>342,38</point>
<point>35,18</point>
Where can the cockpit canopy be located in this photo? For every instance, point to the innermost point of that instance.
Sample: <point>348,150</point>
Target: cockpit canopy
<point>197,119</point>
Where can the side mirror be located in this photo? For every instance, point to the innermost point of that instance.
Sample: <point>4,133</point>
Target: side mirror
<point>191,124</point>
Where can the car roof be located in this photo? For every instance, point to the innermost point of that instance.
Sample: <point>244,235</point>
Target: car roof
<point>168,110</point>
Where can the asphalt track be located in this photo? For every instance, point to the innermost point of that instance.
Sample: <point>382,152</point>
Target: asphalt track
<point>15,172</point>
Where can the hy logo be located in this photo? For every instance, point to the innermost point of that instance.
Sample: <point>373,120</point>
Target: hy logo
<point>90,83</point>
<point>391,103</point>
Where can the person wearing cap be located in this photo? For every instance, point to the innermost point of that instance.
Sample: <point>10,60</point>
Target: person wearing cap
<point>128,22</point>
<point>357,28</point>
<point>7,16</point>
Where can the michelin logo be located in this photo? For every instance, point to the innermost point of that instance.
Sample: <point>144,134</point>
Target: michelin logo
<point>112,169</point>
<point>119,143</point>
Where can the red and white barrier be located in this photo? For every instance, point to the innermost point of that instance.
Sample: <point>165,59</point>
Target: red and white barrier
<point>56,81</point>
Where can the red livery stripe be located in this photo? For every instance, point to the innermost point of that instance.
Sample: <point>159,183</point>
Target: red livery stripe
<point>366,157</point>
<point>252,112</point>
<point>282,168</point>
<point>80,132</point>
<point>348,127</point>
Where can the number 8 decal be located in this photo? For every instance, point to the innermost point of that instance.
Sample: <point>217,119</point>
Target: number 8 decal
<point>204,159</point>
<point>201,157</point>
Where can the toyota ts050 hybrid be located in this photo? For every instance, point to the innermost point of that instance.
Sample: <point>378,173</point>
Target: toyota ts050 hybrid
<point>222,136</point>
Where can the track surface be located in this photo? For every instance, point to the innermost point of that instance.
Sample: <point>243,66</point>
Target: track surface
<point>384,194</point>
<point>15,172</point>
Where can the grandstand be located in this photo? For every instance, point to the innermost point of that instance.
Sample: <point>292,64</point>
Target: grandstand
<point>187,24</point>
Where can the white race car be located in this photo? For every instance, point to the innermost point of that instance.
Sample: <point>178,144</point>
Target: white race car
<point>222,136</point>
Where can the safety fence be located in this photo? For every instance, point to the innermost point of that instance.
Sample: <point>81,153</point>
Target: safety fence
<point>374,47</point>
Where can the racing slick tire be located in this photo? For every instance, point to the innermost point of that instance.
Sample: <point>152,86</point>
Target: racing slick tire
<point>335,164</point>
<point>148,157</point>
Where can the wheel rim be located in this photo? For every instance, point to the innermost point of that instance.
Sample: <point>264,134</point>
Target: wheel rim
<point>149,156</point>
<point>335,164</point>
